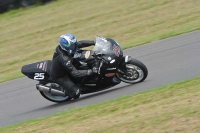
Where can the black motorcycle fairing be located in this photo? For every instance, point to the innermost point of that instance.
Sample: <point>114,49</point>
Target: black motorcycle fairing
<point>83,61</point>
<point>38,70</point>
<point>106,51</point>
<point>109,53</point>
<point>99,85</point>
<point>109,48</point>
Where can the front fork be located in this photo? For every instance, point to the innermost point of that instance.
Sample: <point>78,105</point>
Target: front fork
<point>122,65</point>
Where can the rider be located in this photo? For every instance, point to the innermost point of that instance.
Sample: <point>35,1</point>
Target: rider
<point>62,64</point>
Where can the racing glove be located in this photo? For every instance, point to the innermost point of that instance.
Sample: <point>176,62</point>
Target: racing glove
<point>92,71</point>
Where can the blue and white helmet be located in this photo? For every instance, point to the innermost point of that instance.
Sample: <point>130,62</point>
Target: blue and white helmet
<point>68,43</point>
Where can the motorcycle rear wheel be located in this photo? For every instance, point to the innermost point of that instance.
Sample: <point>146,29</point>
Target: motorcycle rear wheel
<point>136,72</point>
<point>53,98</point>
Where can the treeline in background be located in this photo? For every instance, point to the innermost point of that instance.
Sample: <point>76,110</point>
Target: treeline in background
<point>6,5</point>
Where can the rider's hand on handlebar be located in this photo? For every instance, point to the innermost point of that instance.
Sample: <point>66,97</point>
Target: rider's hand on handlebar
<point>92,71</point>
<point>95,69</point>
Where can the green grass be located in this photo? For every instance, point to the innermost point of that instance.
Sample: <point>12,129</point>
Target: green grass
<point>169,109</point>
<point>30,35</point>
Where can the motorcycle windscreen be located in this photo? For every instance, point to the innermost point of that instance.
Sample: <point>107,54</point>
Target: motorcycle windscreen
<point>102,45</point>
<point>38,70</point>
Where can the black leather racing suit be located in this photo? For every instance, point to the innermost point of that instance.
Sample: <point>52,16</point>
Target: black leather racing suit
<point>62,66</point>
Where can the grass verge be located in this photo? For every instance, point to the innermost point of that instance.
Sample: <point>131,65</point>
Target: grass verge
<point>30,35</point>
<point>169,109</point>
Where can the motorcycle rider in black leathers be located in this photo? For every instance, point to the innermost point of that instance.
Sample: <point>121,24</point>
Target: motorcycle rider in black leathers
<point>62,64</point>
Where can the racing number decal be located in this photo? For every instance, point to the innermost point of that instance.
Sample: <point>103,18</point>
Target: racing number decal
<point>116,50</point>
<point>39,76</point>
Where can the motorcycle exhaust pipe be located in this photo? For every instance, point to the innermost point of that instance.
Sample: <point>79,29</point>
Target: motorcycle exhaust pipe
<point>50,90</point>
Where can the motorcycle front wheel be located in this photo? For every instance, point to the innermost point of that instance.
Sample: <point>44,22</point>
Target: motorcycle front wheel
<point>136,72</point>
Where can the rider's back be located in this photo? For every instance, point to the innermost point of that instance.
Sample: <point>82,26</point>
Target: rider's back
<point>57,69</point>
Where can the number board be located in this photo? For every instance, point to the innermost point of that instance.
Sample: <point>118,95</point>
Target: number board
<point>39,76</point>
<point>116,50</point>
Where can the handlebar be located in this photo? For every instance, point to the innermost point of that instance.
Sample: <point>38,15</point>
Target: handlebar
<point>99,57</point>
<point>101,60</point>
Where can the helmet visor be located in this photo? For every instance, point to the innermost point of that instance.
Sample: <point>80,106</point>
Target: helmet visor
<point>73,48</point>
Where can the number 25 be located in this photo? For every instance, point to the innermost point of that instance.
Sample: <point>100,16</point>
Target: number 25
<point>39,76</point>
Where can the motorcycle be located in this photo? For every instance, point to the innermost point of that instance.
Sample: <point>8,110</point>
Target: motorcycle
<point>113,68</point>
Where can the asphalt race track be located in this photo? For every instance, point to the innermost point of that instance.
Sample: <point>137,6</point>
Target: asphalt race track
<point>168,61</point>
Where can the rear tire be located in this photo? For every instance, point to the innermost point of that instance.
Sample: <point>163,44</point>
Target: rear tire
<point>136,72</point>
<point>50,97</point>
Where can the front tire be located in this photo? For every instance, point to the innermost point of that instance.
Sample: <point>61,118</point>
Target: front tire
<point>136,72</point>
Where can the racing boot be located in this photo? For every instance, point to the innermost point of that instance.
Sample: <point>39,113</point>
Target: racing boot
<point>70,88</point>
